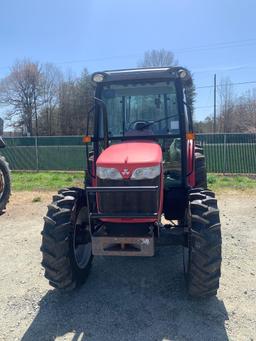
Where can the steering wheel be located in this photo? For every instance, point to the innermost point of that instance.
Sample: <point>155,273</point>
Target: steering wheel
<point>138,125</point>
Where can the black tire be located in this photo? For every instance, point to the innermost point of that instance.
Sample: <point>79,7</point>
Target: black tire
<point>65,233</point>
<point>200,168</point>
<point>203,264</point>
<point>5,184</point>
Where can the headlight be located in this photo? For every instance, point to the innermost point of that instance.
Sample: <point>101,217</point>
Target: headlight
<point>146,173</point>
<point>108,173</point>
<point>182,73</point>
<point>98,77</point>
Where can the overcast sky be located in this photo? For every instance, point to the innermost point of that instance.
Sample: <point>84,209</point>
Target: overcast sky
<point>206,36</point>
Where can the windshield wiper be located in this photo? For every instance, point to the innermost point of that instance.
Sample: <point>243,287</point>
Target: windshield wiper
<point>160,120</point>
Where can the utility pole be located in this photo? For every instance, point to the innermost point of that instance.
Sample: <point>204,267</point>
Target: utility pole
<point>214,105</point>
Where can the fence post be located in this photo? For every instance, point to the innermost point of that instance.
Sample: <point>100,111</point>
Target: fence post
<point>37,158</point>
<point>225,154</point>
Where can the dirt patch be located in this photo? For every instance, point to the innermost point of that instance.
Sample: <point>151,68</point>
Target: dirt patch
<point>126,299</point>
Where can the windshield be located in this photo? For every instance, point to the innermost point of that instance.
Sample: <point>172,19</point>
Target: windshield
<point>148,108</point>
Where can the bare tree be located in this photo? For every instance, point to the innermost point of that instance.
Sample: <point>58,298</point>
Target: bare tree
<point>226,106</point>
<point>21,92</point>
<point>244,116</point>
<point>236,114</point>
<point>31,95</point>
<point>76,98</point>
<point>51,81</point>
<point>154,58</point>
<point>162,58</point>
<point>204,126</point>
<point>67,106</point>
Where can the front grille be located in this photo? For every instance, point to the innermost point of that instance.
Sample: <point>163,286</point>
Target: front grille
<point>128,202</point>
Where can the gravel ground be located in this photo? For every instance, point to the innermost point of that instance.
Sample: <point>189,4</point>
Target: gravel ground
<point>126,299</point>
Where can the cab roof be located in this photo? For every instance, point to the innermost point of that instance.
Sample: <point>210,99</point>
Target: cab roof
<point>144,74</point>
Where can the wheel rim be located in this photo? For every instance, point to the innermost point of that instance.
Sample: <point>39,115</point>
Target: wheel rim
<point>82,244</point>
<point>2,184</point>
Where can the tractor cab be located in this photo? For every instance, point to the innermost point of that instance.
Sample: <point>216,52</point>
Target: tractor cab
<point>142,136</point>
<point>145,184</point>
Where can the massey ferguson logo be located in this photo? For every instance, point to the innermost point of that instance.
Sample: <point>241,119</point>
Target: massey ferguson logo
<point>125,172</point>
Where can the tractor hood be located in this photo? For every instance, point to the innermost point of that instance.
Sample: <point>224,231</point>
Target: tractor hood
<point>131,155</point>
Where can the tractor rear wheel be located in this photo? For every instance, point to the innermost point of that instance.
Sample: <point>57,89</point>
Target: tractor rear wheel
<point>66,242</point>
<point>202,261</point>
<point>5,184</point>
<point>200,168</point>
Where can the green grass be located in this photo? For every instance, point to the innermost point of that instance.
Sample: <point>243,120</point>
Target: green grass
<point>34,181</point>
<point>216,181</point>
<point>52,181</point>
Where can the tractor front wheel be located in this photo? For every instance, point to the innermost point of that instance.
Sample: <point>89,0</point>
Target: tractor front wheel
<point>5,184</point>
<point>202,256</point>
<point>66,242</point>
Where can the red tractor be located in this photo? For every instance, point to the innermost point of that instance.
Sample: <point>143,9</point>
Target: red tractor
<point>5,181</point>
<point>145,184</point>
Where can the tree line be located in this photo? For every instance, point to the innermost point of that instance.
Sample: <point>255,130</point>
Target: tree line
<point>39,100</point>
<point>237,113</point>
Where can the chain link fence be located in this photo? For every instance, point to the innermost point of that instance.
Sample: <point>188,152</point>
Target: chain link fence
<point>229,153</point>
<point>225,153</point>
<point>45,153</point>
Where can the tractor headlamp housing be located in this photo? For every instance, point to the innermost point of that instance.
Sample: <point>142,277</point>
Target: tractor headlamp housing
<point>146,173</point>
<point>182,73</point>
<point>98,77</point>
<point>108,173</point>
